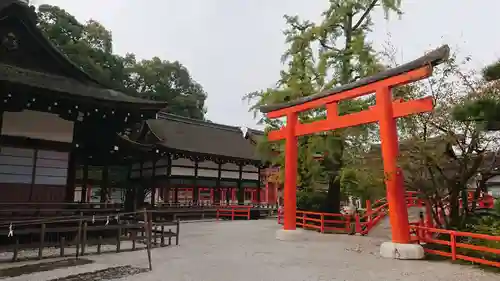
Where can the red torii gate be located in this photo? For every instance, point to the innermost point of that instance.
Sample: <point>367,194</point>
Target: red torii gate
<point>385,111</point>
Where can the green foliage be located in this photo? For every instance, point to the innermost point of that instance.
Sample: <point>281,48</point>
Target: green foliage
<point>483,109</point>
<point>492,71</point>
<point>310,201</point>
<point>167,81</point>
<point>90,46</point>
<point>486,225</point>
<point>344,55</point>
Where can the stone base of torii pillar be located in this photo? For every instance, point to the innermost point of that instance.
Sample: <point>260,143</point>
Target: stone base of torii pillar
<point>402,251</point>
<point>291,235</point>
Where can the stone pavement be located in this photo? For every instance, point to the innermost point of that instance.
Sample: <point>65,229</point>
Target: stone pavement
<point>248,250</point>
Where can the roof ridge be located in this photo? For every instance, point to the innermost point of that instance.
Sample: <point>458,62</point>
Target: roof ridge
<point>179,118</point>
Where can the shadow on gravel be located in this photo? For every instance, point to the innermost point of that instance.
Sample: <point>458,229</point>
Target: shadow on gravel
<point>104,274</point>
<point>40,267</point>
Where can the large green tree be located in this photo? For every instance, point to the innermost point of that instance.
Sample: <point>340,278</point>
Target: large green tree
<point>167,81</point>
<point>90,46</point>
<point>343,56</point>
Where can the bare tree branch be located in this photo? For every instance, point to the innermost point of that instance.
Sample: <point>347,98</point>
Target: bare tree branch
<point>365,14</point>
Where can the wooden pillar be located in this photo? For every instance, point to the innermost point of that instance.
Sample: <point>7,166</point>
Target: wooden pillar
<point>218,190</point>
<point>71,172</point>
<point>33,177</point>
<point>393,177</point>
<point>152,183</point>
<point>176,188</point>
<point>259,183</point>
<point>167,182</point>
<point>71,177</point>
<point>85,180</point>
<point>105,184</point>
<point>291,150</point>
<point>240,191</point>
<point>196,189</point>
<point>140,188</point>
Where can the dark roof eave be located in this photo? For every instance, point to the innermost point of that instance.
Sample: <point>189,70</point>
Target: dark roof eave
<point>77,73</point>
<point>432,58</point>
<point>73,88</point>
<point>170,149</point>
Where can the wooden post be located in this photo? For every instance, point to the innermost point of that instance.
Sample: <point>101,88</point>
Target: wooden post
<point>85,180</point>
<point>322,229</point>
<point>393,177</point>
<point>78,237</point>
<point>118,235</point>
<point>369,210</point>
<point>99,244</point>
<point>152,183</point>
<point>147,230</point>
<point>162,239</point>
<point>84,238</point>
<point>196,190</point>
<point>240,192</point>
<point>178,229</point>
<point>453,245</point>
<point>62,245</point>
<point>42,240</point>
<point>16,251</point>
<point>290,190</point>
<point>134,237</point>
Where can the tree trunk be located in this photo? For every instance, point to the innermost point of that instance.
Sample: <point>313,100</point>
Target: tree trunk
<point>332,204</point>
<point>454,206</point>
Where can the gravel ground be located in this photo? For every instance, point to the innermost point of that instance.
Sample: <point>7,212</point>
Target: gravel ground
<point>248,250</point>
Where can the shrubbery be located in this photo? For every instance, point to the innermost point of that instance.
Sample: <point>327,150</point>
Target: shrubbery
<point>310,201</point>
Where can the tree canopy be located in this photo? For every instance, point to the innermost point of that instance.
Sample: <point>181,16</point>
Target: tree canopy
<point>90,46</point>
<point>320,56</point>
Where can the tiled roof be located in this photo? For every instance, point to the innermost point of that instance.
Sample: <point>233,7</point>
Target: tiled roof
<point>189,135</point>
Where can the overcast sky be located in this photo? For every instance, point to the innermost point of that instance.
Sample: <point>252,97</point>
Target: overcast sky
<point>233,47</point>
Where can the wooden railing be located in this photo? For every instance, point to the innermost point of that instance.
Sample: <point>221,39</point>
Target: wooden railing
<point>234,212</point>
<point>324,222</point>
<point>455,244</point>
<point>82,231</point>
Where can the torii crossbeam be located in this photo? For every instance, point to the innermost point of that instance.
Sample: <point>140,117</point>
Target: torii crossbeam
<point>385,111</point>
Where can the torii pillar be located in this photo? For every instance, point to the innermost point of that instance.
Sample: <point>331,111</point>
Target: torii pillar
<point>385,112</point>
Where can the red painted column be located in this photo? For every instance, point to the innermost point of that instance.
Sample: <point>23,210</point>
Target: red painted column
<point>290,196</point>
<point>398,213</point>
<point>267,191</point>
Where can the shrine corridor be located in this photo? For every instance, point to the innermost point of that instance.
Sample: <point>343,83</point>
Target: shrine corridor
<point>248,250</point>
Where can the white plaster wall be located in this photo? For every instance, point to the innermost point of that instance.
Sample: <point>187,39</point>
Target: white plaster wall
<point>37,125</point>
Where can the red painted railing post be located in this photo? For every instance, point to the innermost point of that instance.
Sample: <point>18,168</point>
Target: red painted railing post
<point>322,227</point>
<point>232,213</point>
<point>369,210</point>
<point>428,215</point>
<point>453,244</point>
<point>358,224</point>
<point>420,230</point>
<point>248,214</point>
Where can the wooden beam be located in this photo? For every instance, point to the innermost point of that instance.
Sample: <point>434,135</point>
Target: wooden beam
<point>401,109</point>
<point>390,82</point>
